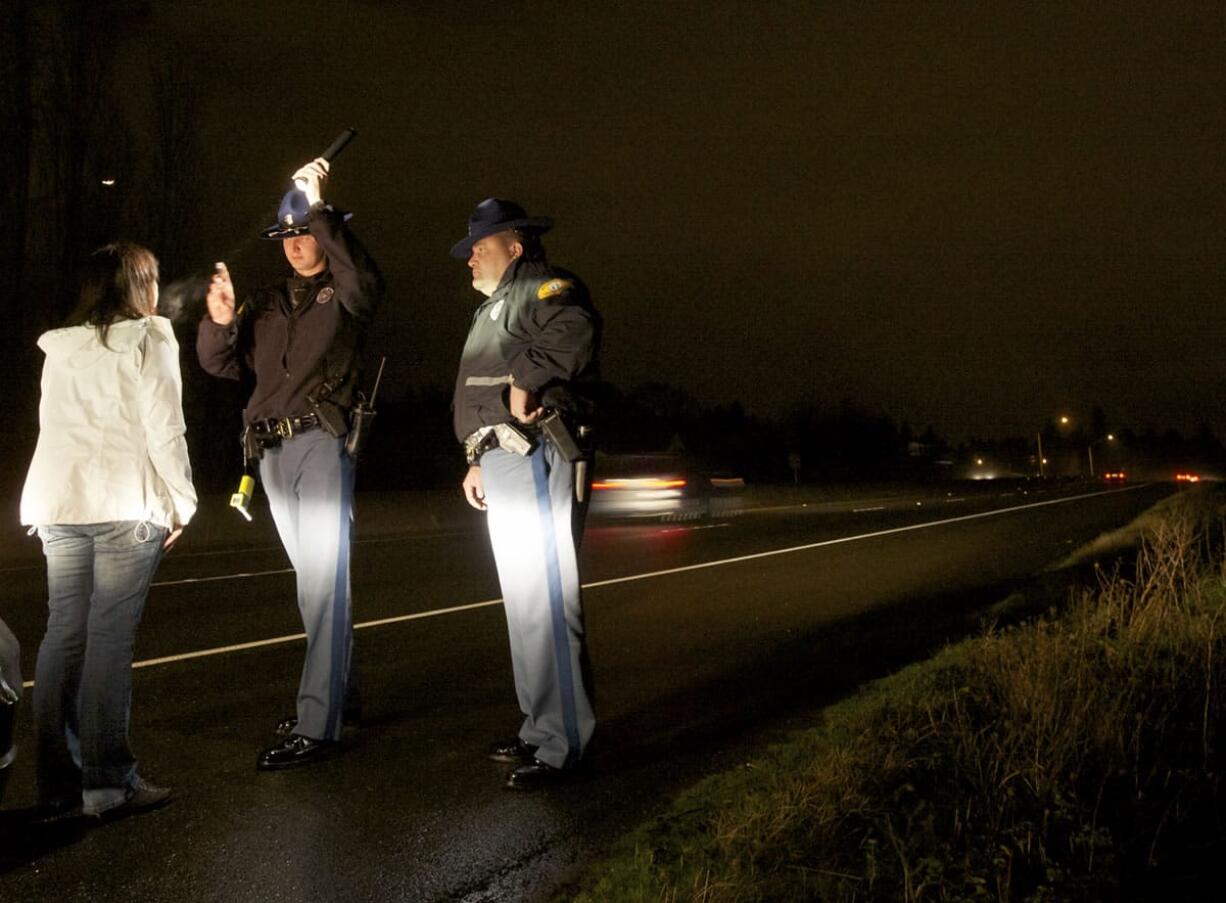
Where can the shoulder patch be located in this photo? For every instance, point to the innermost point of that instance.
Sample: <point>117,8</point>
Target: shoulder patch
<point>553,287</point>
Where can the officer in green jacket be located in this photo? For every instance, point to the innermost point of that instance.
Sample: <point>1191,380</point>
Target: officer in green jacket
<point>520,409</point>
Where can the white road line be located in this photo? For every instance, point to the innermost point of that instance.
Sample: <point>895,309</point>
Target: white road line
<point>416,616</point>
<point>221,577</point>
<point>843,539</point>
<point>691,529</point>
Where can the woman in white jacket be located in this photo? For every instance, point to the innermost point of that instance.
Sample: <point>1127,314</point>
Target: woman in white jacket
<point>109,490</point>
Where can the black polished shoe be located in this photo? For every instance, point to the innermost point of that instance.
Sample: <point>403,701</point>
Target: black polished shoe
<point>349,718</point>
<point>294,750</point>
<point>538,774</point>
<point>512,752</point>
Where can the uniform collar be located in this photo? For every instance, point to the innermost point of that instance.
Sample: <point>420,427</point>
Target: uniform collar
<point>522,267</point>
<point>302,286</point>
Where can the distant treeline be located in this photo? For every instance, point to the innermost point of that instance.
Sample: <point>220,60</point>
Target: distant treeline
<point>413,446</point>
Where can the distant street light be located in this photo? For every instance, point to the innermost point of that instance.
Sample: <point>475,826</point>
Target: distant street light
<point>1064,421</point>
<point>1110,437</point>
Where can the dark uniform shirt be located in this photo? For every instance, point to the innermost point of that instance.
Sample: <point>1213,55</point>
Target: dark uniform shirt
<point>297,333</point>
<point>538,329</point>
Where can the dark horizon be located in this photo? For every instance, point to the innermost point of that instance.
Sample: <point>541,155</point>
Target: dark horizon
<point>974,218</point>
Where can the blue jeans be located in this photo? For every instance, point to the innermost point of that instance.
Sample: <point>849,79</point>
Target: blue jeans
<point>98,577</point>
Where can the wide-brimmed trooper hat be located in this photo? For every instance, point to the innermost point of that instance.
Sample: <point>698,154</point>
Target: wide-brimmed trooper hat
<point>292,216</point>
<point>495,215</point>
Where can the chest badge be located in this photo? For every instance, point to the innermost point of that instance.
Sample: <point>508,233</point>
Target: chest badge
<point>325,295</point>
<point>497,308</point>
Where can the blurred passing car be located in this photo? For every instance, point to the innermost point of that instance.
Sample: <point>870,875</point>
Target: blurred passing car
<point>1187,478</point>
<point>663,487</point>
<point>1117,476</point>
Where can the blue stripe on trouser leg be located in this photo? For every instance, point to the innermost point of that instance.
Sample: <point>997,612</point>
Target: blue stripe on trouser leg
<point>518,523</point>
<point>309,483</point>
<point>342,615</point>
<point>557,609</point>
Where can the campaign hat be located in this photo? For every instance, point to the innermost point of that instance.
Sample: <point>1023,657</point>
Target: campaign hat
<point>292,216</point>
<point>494,215</point>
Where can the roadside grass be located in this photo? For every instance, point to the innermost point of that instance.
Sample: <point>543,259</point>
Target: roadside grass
<point>1075,756</point>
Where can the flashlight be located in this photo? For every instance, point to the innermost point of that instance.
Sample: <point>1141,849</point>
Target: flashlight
<point>242,498</point>
<point>338,144</point>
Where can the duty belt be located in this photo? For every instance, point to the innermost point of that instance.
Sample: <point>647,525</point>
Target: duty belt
<point>284,427</point>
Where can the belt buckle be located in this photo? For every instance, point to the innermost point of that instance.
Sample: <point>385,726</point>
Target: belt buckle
<point>285,427</point>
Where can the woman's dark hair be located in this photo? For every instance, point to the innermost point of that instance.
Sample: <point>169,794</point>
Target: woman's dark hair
<point>119,283</point>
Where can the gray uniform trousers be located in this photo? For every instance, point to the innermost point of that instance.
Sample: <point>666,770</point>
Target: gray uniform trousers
<point>534,528</point>
<point>309,482</point>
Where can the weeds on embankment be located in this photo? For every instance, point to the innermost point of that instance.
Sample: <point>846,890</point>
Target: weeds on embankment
<point>1076,757</point>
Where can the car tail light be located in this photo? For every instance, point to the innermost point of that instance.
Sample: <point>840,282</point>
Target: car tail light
<point>648,483</point>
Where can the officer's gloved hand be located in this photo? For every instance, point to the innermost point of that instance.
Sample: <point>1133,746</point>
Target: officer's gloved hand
<point>310,180</point>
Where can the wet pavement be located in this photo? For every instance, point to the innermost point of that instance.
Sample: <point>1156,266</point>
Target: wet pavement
<point>696,665</point>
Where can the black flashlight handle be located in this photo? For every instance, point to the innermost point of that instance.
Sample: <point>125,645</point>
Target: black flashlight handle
<point>338,144</point>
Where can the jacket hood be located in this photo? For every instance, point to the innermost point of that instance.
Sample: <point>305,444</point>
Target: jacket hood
<point>80,346</point>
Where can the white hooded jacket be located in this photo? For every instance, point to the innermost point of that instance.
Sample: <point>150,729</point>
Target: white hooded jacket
<point>111,443</point>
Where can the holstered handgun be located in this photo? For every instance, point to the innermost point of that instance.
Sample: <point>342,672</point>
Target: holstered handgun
<point>252,450</point>
<point>331,415</point>
<point>570,446</point>
<point>558,433</point>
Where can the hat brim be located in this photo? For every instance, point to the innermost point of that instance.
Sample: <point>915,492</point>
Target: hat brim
<point>277,231</point>
<point>538,224</point>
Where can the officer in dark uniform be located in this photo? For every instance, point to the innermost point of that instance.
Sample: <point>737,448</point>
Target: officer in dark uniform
<point>300,341</point>
<point>520,411</point>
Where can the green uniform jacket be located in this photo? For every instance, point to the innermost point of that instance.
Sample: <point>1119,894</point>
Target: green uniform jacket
<point>540,330</point>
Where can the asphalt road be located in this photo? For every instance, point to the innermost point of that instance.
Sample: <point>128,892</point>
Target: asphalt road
<point>707,640</point>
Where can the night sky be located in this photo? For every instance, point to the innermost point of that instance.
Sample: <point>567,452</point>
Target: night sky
<point>970,215</point>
